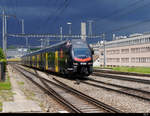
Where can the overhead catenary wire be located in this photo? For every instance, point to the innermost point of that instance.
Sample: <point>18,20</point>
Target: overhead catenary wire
<point>56,13</point>
<point>127,13</point>
<point>131,25</point>
<point>118,11</point>
<point>128,26</point>
<point>62,10</point>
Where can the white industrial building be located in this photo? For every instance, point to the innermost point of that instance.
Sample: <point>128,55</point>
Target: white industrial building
<point>133,50</point>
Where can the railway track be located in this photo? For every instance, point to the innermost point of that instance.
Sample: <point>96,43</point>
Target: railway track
<point>145,81</point>
<point>49,91</point>
<point>122,73</point>
<point>134,92</point>
<point>73,100</point>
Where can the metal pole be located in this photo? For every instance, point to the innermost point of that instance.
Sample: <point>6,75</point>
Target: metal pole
<point>69,23</point>
<point>83,31</point>
<point>5,36</point>
<point>70,29</point>
<point>22,22</point>
<point>90,27</point>
<point>104,50</point>
<point>23,32</point>
<point>61,33</point>
<point>3,29</point>
<point>99,52</point>
<point>27,42</point>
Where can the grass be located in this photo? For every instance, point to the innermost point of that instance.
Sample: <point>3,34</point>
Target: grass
<point>6,85</point>
<point>5,92</point>
<point>20,83</point>
<point>142,70</point>
<point>98,67</point>
<point>27,93</point>
<point>0,106</point>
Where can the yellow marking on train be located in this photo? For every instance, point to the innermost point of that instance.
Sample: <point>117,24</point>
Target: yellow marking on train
<point>38,61</point>
<point>56,61</point>
<point>46,61</point>
<point>33,59</point>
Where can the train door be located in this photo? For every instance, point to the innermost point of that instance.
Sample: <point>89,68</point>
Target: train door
<point>46,60</point>
<point>33,61</point>
<point>49,60</point>
<point>28,59</point>
<point>38,60</point>
<point>56,61</point>
<point>61,59</point>
<point>43,61</point>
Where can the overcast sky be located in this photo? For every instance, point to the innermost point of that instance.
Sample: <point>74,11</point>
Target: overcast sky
<point>46,16</point>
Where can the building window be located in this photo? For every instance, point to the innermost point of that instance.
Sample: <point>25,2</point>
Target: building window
<point>140,50</point>
<point>125,60</point>
<point>132,60</point>
<point>124,51</point>
<point>140,60</point>
<point>113,52</point>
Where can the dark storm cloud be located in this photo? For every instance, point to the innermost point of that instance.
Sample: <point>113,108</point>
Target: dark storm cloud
<point>46,16</point>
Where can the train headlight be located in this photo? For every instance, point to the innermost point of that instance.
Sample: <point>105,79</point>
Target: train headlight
<point>75,63</point>
<point>90,63</point>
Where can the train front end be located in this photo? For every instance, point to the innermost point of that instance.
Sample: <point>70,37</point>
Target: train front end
<point>82,58</point>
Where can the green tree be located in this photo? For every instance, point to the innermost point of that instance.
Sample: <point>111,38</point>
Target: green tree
<point>2,56</point>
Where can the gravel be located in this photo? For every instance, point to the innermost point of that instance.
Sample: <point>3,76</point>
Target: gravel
<point>32,92</point>
<point>122,102</point>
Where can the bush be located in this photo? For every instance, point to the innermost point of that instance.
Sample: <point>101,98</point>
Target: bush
<point>2,55</point>
<point>3,58</point>
<point>5,63</point>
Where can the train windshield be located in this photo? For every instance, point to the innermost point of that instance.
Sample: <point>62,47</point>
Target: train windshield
<point>81,52</point>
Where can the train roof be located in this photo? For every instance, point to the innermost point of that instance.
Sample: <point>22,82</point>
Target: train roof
<point>42,50</point>
<point>75,42</point>
<point>79,44</point>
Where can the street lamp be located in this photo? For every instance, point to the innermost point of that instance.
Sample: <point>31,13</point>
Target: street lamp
<point>23,32</point>
<point>69,23</point>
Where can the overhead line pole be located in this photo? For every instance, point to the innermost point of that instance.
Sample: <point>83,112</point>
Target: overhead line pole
<point>5,36</point>
<point>61,32</point>
<point>23,32</point>
<point>90,27</point>
<point>4,31</point>
<point>103,35</point>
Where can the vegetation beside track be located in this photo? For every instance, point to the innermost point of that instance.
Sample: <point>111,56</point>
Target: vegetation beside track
<point>141,70</point>
<point>5,85</point>
<point>5,92</point>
